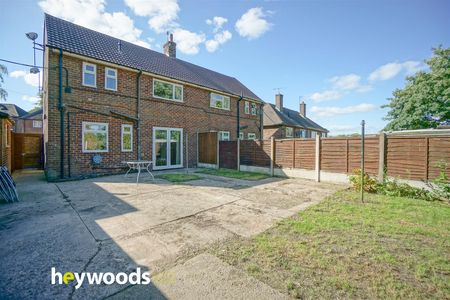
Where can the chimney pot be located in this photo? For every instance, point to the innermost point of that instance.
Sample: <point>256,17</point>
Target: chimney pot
<point>303,109</point>
<point>170,47</point>
<point>279,101</point>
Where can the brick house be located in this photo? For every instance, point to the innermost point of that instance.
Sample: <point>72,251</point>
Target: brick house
<point>15,113</point>
<point>31,122</point>
<point>6,127</point>
<point>281,122</point>
<point>117,101</point>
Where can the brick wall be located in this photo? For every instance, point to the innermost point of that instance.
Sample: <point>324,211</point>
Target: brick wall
<point>194,115</point>
<point>5,143</point>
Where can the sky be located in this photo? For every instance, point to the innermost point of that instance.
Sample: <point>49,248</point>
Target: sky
<point>344,58</point>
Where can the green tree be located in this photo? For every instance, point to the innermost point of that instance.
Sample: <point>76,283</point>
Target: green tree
<point>425,100</point>
<point>3,92</point>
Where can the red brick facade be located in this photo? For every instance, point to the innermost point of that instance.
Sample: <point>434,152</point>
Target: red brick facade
<point>193,115</point>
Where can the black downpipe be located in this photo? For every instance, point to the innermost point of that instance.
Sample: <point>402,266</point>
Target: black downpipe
<point>61,114</point>
<point>138,115</point>
<point>261,125</point>
<point>68,145</point>
<point>238,129</point>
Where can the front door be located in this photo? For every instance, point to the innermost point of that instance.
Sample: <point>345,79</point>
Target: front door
<point>167,148</point>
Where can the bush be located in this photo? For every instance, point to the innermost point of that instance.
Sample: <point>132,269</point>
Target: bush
<point>391,187</point>
<point>441,185</point>
<point>370,184</point>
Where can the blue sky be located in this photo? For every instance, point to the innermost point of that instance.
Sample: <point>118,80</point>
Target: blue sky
<point>342,57</point>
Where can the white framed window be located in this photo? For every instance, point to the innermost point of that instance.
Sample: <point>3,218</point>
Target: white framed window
<point>247,107</point>
<point>126,139</point>
<point>254,109</point>
<point>89,74</point>
<point>94,137</point>
<point>110,79</point>
<point>313,134</point>
<point>220,101</point>
<point>251,136</point>
<point>167,90</point>
<point>224,135</point>
<point>37,124</point>
<point>241,135</point>
<point>289,132</point>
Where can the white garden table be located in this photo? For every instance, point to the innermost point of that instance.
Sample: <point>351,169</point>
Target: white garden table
<point>139,165</point>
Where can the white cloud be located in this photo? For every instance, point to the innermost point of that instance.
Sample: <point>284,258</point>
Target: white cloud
<point>91,14</point>
<point>32,99</point>
<point>333,111</point>
<point>30,79</point>
<point>219,39</point>
<point>325,96</point>
<point>349,82</point>
<point>217,22</point>
<point>162,14</point>
<point>252,24</point>
<point>188,42</point>
<point>391,70</point>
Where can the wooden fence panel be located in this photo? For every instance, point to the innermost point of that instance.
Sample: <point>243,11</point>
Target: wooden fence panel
<point>407,157</point>
<point>255,153</point>
<point>305,154</point>
<point>438,152</point>
<point>333,153</point>
<point>228,154</point>
<point>28,150</point>
<point>207,147</point>
<point>371,155</point>
<point>284,153</point>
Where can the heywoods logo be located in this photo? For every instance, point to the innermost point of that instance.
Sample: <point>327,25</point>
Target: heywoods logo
<point>107,278</point>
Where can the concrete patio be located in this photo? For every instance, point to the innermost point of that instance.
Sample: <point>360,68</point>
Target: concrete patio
<point>111,224</point>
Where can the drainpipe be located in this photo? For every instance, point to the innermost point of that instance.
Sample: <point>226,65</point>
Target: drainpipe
<point>69,158</point>
<point>261,125</point>
<point>138,114</point>
<point>238,129</point>
<point>61,114</point>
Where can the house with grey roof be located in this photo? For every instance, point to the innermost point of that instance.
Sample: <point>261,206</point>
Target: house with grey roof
<point>281,122</point>
<point>107,101</point>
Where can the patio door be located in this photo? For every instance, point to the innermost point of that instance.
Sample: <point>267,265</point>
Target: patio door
<point>167,148</point>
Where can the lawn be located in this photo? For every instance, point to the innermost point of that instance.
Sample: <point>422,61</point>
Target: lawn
<point>179,177</point>
<point>385,248</point>
<point>234,174</point>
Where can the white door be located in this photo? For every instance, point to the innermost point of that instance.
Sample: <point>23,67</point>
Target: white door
<point>167,148</point>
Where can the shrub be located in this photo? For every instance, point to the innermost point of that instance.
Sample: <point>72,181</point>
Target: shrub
<point>370,184</point>
<point>441,185</point>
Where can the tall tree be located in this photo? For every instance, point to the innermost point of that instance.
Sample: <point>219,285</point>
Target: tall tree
<point>3,92</point>
<point>425,100</point>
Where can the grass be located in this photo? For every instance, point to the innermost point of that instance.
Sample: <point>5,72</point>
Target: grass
<point>179,177</point>
<point>388,247</point>
<point>234,174</point>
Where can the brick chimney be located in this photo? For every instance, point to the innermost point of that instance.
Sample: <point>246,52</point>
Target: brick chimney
<point>170,47</point>
<point>303,108</point>
<point>279,101</point>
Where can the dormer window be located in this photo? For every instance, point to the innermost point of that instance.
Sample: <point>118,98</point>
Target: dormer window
<point>89,75</point>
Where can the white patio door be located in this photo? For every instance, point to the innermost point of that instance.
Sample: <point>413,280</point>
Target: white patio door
<point>167,148</point>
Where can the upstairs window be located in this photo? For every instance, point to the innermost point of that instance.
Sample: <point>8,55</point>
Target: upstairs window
<point>89,74</point>
<point>254,109</point>
<point>241,135</point>
<point>37,124</point>
<point>224,135</point>
<point>95,137</point>
<point>127,138</point>
<point>167,90</point>
<point>111,79</point>
<point>289,132</point>
<point>247,107</point>
<point>220,101</point>
<point>251,136</point>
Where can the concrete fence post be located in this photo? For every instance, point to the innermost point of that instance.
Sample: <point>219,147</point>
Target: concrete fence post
<point>318,158</point>
<point>381,156</point>
<point>218,151</point>
<point>272,155</point>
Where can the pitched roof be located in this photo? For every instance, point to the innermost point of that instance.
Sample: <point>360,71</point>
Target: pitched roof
<point>12,110</point>
<point>34,114</point>
<point>289,117</point>
<point>82,41</point>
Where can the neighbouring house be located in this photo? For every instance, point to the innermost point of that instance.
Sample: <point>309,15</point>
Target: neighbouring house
<point>281,122</point>
<point>31,122</point>
<point>6,127</point>
<point>14,112</point>
<point>107,101</point>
